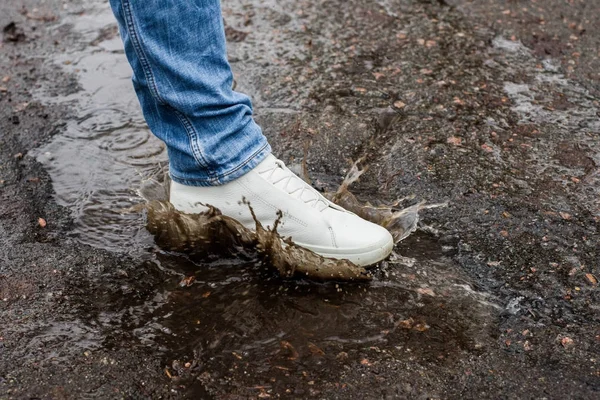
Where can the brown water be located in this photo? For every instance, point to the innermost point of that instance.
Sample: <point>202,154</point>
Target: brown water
<point>236,320</point>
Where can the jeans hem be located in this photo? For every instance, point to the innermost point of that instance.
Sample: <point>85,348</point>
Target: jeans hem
<point>220,179</point>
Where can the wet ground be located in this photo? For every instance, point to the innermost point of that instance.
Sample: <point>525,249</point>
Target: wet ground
<point>490,106</point>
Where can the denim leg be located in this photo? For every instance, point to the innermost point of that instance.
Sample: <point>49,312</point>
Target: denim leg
<point>183,81</point>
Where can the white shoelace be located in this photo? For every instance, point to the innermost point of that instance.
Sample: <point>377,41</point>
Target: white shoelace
<point>279,175</point>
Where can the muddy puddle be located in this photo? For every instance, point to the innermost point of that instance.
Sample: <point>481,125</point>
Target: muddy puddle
<point>230,320</point>
<point>235,322</point>
<point>106,148</point>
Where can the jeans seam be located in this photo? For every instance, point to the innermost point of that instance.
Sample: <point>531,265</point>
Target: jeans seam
<point>183,119</point>
<point>189,128</point>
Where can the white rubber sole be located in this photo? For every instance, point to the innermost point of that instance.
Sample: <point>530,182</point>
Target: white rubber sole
<point>364,258</point>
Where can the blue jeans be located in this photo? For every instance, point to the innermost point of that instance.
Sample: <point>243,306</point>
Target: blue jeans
<point>184,84</point>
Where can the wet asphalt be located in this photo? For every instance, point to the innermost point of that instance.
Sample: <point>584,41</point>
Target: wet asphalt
<point>492,107</point>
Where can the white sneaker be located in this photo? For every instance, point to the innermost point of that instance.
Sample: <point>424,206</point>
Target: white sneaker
<point>309,219</point>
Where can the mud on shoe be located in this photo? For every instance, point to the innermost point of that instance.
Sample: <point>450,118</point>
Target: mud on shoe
<point>309,219</point>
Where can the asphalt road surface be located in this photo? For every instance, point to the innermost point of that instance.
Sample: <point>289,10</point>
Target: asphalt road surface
<point>489,106</point>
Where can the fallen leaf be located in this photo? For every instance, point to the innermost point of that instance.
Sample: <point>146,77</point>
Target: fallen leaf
<point>366,362</point>
<point>567,342</point>
<point>314,349</point>
<point>21,106</point>
<point>42,222</point>
<point>287,346</point>
<point>456,141</point>
<point>205,295</point>
<point>6,79</point>
<point>565,215</point>
<point>234,35</point>
<point>187,281</point>
<point>412,325</point>
<point>406,323</point>
<point>421,327</point>
<point>43,18</point>
<point>426,291</point>
<point>487,148</point>
<point>399,104</point>
<point>591,279</point>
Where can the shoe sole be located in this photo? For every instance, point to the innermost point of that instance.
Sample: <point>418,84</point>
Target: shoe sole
<point>364,259</point>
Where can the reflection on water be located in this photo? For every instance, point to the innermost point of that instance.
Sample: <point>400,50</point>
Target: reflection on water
<point>234,322</point>
<point>105,150</point>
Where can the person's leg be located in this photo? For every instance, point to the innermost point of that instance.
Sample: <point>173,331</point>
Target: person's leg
<point>217,153</point>
<point>184,83</point>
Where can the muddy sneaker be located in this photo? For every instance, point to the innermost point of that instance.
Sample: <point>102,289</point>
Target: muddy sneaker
<point>309,219</point>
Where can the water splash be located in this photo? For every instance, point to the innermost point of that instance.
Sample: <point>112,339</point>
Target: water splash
<point>211,231</point>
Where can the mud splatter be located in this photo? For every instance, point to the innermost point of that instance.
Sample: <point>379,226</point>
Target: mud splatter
<point>400,222</point>
<point>211,231</point>
<point>204,232</point>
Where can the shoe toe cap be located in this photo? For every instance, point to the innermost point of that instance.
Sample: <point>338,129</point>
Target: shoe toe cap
<point>357,233</point>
